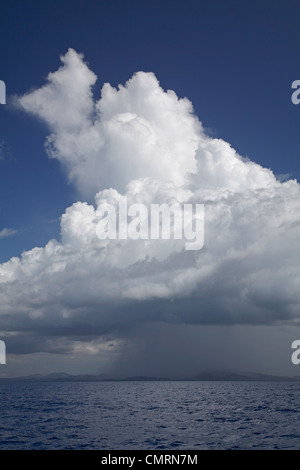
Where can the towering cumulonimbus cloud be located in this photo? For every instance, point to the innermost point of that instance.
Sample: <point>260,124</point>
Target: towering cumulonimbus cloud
<point>145,143</point>
<point>135,131</point>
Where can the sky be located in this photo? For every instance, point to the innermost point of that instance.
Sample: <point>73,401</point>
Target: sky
<point>162,102</point>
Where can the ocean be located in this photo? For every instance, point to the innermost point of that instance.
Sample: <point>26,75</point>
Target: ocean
<point>149,415</point>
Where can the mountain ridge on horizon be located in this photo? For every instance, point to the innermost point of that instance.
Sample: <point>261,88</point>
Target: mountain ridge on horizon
<point>205,376</point>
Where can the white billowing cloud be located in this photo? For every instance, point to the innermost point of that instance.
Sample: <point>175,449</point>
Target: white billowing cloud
<point>145,143</point>
<point>66,101</point>
<point>220,167</point>
<point>136,131</point>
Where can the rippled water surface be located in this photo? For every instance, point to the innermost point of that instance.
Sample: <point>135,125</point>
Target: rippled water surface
<point>150,415</point>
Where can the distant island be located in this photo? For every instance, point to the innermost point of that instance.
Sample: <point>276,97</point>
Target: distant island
<point>205,376</point>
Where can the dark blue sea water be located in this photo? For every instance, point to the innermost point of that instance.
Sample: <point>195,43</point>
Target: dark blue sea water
<point>150,415</point>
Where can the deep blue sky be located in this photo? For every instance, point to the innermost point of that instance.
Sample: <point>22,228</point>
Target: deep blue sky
<point>235,60</point>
